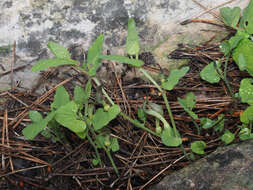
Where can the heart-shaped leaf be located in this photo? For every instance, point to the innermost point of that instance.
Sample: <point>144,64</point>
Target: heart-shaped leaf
<point>169,138</point>
<point>101,118</point>
<point>210,74</point>
<point>198,147</point>
<point>227,137</point>
<point>230,16</point>
<point>66,115</point>
<point>188,103</point>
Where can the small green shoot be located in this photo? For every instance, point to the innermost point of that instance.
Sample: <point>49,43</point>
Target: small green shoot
<point>132,42</point>
<point>227,137</point>
<point>210,74</point>
<point>188,104</point>
<point>230,16</point>
<point>198,147</point>
<point>93,59</point>
<point>174,77</point>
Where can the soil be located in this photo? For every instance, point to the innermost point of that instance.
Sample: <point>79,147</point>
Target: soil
<point>43,164</point>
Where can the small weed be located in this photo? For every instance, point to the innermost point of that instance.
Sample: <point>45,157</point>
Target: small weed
<point>81,116</point>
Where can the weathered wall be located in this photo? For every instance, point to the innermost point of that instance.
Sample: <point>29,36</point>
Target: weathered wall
<point>32,23</point>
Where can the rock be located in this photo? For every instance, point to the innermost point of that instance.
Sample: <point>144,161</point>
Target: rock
<point>228,168</point>
<point>32,23</point>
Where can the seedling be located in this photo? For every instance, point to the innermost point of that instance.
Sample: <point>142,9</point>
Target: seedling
<point>188,104</point>
<point>87,121</point>
<point>198,147</point>
<point>227,137</point>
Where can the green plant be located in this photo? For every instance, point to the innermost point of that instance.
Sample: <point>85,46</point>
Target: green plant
<point>81,116</point>
<point>188,104</point>
<point>91,122</point>
<point>198,147</point>
<point>240,47</point>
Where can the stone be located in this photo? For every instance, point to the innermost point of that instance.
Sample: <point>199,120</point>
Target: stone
<point>228,168</point>
<point>32,23</point>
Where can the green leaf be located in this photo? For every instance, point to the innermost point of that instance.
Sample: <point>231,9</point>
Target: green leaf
<point>198,147</point>
<point>158,116</point>
<point>235,40</point>
<point>230,16</point>
<point>114,145</point>
<point>156,107</point>
<point>225,48</point>
<point>102,118</point>
<point>220,125</point>
<point>66,115</point>
<point>227,137</point>
<point>206,123</point>
<point>210,74</point>
<point>94,52</point>
<point>242,62</point>
<point>132,42</point>
<point>169,138</point>
<point>245,134</point>
<point>35,116</point>
<point>188,103</point>
<point>247,116</point>
<point>123,59</point>
<point>54,62</point>
<point>244,48</point>
<point>95,162</point>
<point>33,129</point>
<point>141,115</point>
<point>58,50</point>
<point>175,76</point>
<point>246,20</point>
<point>246,91</point>
<point>61,98</point>
<point>80,95</point>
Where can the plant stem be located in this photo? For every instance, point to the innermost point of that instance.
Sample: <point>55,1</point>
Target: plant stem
<point>103,90</point>
<point>196,125</point>
<point>167,106</point>
<point>164,98</point>
<point>96,150</point>
<point>224,77</point>
<point>138,124</point>
<point>134,122</point>
<point>111,160</point>
<point>107,152</point>
<point>169,111</point>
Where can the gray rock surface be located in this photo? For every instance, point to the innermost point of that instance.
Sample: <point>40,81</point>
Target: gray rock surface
<point>228,168</point>
<point>32,23</point>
